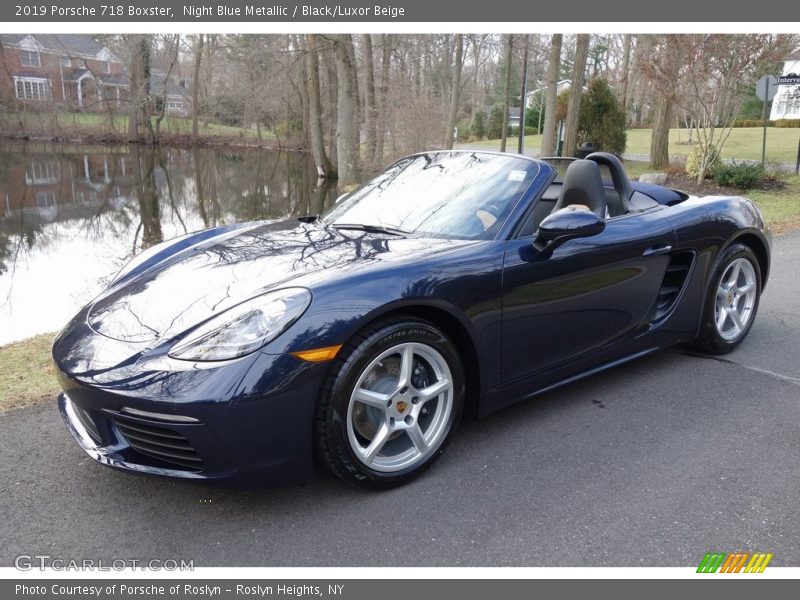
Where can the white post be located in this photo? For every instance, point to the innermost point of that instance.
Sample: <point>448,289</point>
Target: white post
<point>80,94</point>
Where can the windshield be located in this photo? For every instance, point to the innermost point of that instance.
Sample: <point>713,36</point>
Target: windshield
<point>459,195</point>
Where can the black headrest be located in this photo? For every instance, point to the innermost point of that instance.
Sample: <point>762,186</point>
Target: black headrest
<point>583,185</point>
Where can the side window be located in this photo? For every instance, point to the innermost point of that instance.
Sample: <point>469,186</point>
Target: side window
<point>541,208</point>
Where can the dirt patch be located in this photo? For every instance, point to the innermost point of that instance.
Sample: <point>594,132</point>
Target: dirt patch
<point>681,181</point>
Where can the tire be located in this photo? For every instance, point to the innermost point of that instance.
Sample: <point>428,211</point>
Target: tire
<point>379,424</point>
<point>721,334</point>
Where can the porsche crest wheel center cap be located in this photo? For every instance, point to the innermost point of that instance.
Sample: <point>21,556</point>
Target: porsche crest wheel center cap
<point>402,407</point>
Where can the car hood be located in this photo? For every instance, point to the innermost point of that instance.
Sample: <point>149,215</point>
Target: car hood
<point>203,280</point>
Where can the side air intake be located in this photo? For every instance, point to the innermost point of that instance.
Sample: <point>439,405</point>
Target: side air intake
<point>674,279</point>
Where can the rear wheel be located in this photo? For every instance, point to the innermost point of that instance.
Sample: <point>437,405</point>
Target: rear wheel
<point>390,404</point>
<point>731,301</point>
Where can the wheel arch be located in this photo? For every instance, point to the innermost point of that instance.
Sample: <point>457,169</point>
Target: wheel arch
<point>755,241</point>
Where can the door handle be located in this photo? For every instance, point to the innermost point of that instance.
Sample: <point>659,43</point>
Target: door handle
<point>657,249</point>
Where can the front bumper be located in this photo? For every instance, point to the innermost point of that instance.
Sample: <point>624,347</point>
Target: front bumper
<point>256,431</point>
<point>116,451</point>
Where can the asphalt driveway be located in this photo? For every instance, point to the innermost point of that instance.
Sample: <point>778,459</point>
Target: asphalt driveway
<point>653,464</point>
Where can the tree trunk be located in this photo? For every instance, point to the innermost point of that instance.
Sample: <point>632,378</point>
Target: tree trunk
<point>551,96</point>
<point>575,93</point>
<point>333,94</point>
<point>347,114</point>
<point>352,69</point>
<point>626,67</point>
<point>383,104</point>
<point>659,142</point>
<point>455,93</point>
<point>323,164</point>
<point>507,91</point>
<point>138,89</point>
<point>196,85</point>
<point>369,96</point>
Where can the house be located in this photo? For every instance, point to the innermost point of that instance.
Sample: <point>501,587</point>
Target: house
<point>786,103</point>
<point>513,114</point>
<point>172,90</point>
<point>536,96</point>
<point>72,70</point>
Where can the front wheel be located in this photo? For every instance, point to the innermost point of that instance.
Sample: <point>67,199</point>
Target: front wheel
<point>731,301</point>
<point>390,404</point>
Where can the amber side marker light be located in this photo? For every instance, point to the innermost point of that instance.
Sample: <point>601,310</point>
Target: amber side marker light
<point>318,354</point>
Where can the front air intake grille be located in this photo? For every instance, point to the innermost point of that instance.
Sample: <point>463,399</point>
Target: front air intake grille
<point>161,443</point>
<point>88,422</point>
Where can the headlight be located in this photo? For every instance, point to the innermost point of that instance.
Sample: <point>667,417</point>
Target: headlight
<point>244,328</point>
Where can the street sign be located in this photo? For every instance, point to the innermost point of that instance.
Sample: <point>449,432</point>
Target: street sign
<point>765,88</point>
<point>790,79</point>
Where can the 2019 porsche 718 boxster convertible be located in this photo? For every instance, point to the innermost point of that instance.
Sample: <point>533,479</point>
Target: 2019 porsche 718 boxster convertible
<point>452,283</point>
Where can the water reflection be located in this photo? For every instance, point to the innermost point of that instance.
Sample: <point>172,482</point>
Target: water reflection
<point>72,216</point>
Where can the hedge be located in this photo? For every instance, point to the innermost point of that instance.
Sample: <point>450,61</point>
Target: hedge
<point>783,123</point>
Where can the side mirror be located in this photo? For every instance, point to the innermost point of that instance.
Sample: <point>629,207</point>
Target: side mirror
<point>566,224</point>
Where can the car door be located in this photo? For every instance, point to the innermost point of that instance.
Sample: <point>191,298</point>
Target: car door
<point>588,294</point>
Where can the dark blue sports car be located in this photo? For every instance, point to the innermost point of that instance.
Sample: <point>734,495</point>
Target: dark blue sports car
<point>452,283</point>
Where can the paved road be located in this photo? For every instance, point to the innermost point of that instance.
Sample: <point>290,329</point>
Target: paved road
<point>651,464</point>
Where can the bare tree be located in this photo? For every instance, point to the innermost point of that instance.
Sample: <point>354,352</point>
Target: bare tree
<point>198,56</point>
<point>575,93</point>
<point>370,111</point>
<point>347,147</point>
<point>383,101</point>
<point>709,77</point>
<point>321,160</point>
<point>664,65</point>
<point>455,92</point>
<point>139,88</point>
<point>551,95</point>
<point>507,90</point>
<point>626,68</point>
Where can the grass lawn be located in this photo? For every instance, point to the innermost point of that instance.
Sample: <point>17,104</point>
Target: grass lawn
<point>744,143</point>
<point>781,208</point>
<point>26,372</point>
<point>65,122</point>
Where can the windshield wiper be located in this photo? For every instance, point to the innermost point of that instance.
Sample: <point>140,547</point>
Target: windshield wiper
<point>371,228</point>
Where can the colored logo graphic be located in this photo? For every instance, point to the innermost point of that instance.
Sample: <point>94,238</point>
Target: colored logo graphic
<point>735,562</point>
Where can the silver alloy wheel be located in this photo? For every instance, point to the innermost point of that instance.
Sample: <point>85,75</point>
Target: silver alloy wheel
<point>736,298</point>
<point>392,424</point>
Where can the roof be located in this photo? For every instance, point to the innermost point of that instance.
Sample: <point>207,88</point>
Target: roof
<point>793,56</point>
<point>115,79</point>
<point>69,43</point>
<point>76,74</point>
<point>157,84</point>
<point>558,85</point>
<point>32,74</point>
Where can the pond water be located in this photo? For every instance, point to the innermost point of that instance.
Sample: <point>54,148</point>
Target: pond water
<point>71,217</point>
